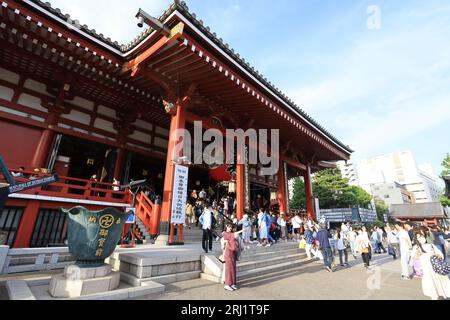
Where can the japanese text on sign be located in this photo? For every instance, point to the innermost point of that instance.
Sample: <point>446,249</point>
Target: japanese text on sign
<point>180,184</point>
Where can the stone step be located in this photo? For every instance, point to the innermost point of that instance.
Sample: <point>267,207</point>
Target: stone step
<point>165,279</point>
<point>274,260</point>
<point>244,275</point>
<point>257,256</point>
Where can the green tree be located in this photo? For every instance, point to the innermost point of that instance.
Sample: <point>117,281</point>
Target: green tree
<point>381,208</point>
<point>446,164</point>
<point>445,201</point>
<point>363,198</point>
<point>298,200</point>
<point>333,190</point>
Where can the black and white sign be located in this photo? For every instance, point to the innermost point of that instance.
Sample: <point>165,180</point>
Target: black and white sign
<point>32,184</point>
<point>180,184</point>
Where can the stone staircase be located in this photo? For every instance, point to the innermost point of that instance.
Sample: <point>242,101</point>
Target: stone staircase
<point>264,260</point>
<point>259,261</point>
<point>194,234</point>
<point>142,230</point>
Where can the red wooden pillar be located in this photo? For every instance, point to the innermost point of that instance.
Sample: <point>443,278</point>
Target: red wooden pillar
<point>26,226</point>
<point>309,194</point>
<point>45,142</point>
<point>43,149</point>
<point>177,122</point>
<point>240,190</point>
<point>282,189</point>
<point>119,163</point>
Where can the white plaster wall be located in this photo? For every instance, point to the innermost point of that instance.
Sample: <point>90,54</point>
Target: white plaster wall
<point>12,111</point>
<point>142,124</point>
<point>31,102</point>
<point>104,125</point>
<point>9,76</point>
<point>6,93</point>
<point>161,142</point>
<point>35,86</point>
<point>77,116</point>
<point>83,103</point>
<point>141,136</point>
<point>106,111</point>
<point>162,131</point>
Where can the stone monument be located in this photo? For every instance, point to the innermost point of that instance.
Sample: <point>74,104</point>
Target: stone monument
<point>92,236</point>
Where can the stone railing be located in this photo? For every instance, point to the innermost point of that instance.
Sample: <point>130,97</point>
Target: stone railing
<point>33,259</point>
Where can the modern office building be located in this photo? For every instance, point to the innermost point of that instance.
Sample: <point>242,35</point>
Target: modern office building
<point>400,167</point>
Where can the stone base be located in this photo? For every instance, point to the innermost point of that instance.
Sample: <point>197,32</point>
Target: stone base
<point>74,272</point>
<point>76,281</point>
<point>162,240</point>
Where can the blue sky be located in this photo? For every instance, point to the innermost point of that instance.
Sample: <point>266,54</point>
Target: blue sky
<point>378,90</point>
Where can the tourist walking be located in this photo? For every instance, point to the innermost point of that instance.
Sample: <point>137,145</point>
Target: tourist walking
<point>374,238</point>
<point>352,241</point>
<point>262,227</point>
<point>380,239</point>
<point>296,223</point>
<point>342,249</point>
<point>363,246</point>
<point>323,237</point>
<point>230,250</point>
<point>206,220</point>
<point>405,249</point>
<point>247,230</point>
<point>309,239</point>
<point>333,246</point>
<point>393,242</point>
<point>283,226</point>
<point>434,285</point>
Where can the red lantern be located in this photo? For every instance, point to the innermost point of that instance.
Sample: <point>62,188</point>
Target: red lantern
<point>220,174</point>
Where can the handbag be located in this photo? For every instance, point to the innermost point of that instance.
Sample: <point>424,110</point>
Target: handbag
<point>302,244</point>
<point>222,258</point>
<point>440,266</point>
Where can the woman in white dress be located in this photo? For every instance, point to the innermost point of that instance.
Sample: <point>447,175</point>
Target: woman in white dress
<point>434,285</point>
<point>247,230</point>
<point>262,223</point>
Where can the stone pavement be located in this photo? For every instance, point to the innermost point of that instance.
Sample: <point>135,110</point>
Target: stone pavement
<point>309,282</point>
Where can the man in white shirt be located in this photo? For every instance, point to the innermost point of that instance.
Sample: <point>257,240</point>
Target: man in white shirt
<point>296,222</point>
<point>206,220</point>
<point>405,250</point>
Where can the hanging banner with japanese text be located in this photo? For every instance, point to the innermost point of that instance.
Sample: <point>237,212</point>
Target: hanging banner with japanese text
<point>180,184</point>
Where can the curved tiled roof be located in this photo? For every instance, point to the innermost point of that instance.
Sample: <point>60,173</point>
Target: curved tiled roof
<point>181,7</point>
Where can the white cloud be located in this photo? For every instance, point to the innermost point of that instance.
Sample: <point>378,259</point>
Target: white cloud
<point>114,19</point>
<point>386,88</point>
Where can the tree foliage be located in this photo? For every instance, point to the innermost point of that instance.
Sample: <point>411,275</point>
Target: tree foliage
<point>333,191</point>
<point>298,200</point>
<point>446,164</point>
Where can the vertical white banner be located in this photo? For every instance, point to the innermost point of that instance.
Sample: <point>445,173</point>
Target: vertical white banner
<point>180,184</point>
<point>316,204</point>
<point>247,181</point>
<point>286,186</point>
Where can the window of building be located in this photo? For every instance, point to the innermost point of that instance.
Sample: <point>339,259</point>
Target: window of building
<point>386,196</point>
